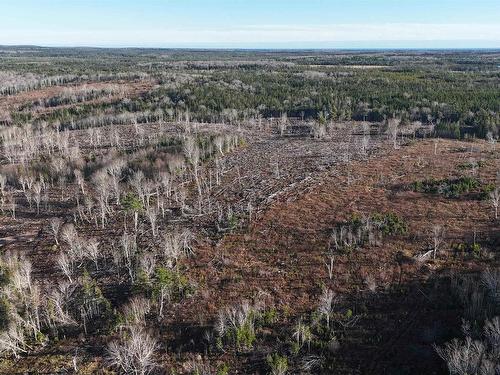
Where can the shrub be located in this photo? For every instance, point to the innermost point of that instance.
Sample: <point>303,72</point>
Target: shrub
<point>223,369</point>
<point>131,202</point>
<point>473,249</point>
<point>474,356</point>
<point>390,224</point>
<point>278,364</point>
<point>269,317</point>
<point>4,314</point>
<point>236,326</point>
<point>358,231</point>
<point>5,275</point>
<point>449,188</point>
<point>173,281</point>
<point>93,308</point>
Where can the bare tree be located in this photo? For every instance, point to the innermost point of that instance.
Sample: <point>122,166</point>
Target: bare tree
<point>135,311</point>
<point>326,305</point>
<point>365,144</point>
<point>495,200</point>
<point>92,247</point>
<point>330,263</point>
<point>392,130</point>
<point>66,265</point>
<point>103,184</point>
<point>115,170</point>
<point>3,183</point>
<point>80,180</point>
<point>128,255</point>
<point>37,188</point>
<point>55,226</point>
<point>437,238</point>
<point>133,354</point>
<point>192,153</point>
<point>282,124</point>
<point>136,182</point>
<point>219,143</point>
<point>152,215</point>
<point>70,236</point>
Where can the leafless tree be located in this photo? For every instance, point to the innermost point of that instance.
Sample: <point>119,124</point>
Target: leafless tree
<point>66,265</point>
<point>79,180</point>
<point>326,305</point>
<point>172,247</point>
<point>103,184</point>
<point>302,334</point>
<point>282,124</point>
<point>135,311</point>
<point>463,358</point>
<point>152,215</point>
<point>12,339</point>
<point>491,140</point>
<point>55,226</point>
<point>219,143</point>
<point>128,255</point>
<point>393,129</point>
<point>136,182</point>
<point>11,202</point>
<point>134,353</point>
<point>148,263</point>
<point>192,154</point>
<point>166,181</point>
<point>437,238</point>
<point>3,183</point>
<point>495,200</point>
<point>70,236</point>
<point>37,189</point>
<point>92,251</point>
<point>115,170</point>
<point>436,144</point>
<point>330,265</point>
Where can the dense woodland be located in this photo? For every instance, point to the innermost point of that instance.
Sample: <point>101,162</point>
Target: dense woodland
<point>249,212</point>
<point>457,93</point>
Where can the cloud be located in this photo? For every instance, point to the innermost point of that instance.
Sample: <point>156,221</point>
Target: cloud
<point>255,34</point>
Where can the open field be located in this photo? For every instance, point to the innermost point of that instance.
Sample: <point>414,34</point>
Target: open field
<point>233,212</point>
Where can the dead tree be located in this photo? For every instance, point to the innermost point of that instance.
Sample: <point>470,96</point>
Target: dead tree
<point>92,251</point>
<point>495,200</point>
<point>192,154</point>
<point>152,215</point>
<point>135,311</point>
<point>134,353</point>
<point>136,182</point>
<point>325,307</point>
<point>128,255</point>
<point>66,265</point>
<point>437,239</point>
<point>79,180</point>
<point>70,236</point>
<point>115,171</point>
<point>37,189</point>
<point>103,183</point>
<point>55,226</point>
<point>392,130</point>
<point>282,124</point>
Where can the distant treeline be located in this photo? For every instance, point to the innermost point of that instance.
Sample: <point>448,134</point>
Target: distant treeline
<point>456,92</point>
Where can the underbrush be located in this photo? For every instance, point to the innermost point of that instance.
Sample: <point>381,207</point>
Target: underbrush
<point>478,352</point>
<point>360,231</point>
<point>449,188</point>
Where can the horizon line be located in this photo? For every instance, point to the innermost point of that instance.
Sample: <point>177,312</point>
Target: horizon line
<point>251,47</point>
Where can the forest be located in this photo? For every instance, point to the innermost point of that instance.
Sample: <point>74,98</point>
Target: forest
<point>215,212</point>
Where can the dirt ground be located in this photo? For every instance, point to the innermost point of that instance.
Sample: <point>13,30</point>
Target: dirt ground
<point>299,189</point>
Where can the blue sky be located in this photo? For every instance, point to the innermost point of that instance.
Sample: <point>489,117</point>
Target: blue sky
<point>252,24</point>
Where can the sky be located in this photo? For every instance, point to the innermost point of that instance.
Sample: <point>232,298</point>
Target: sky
<point>252,23</point>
